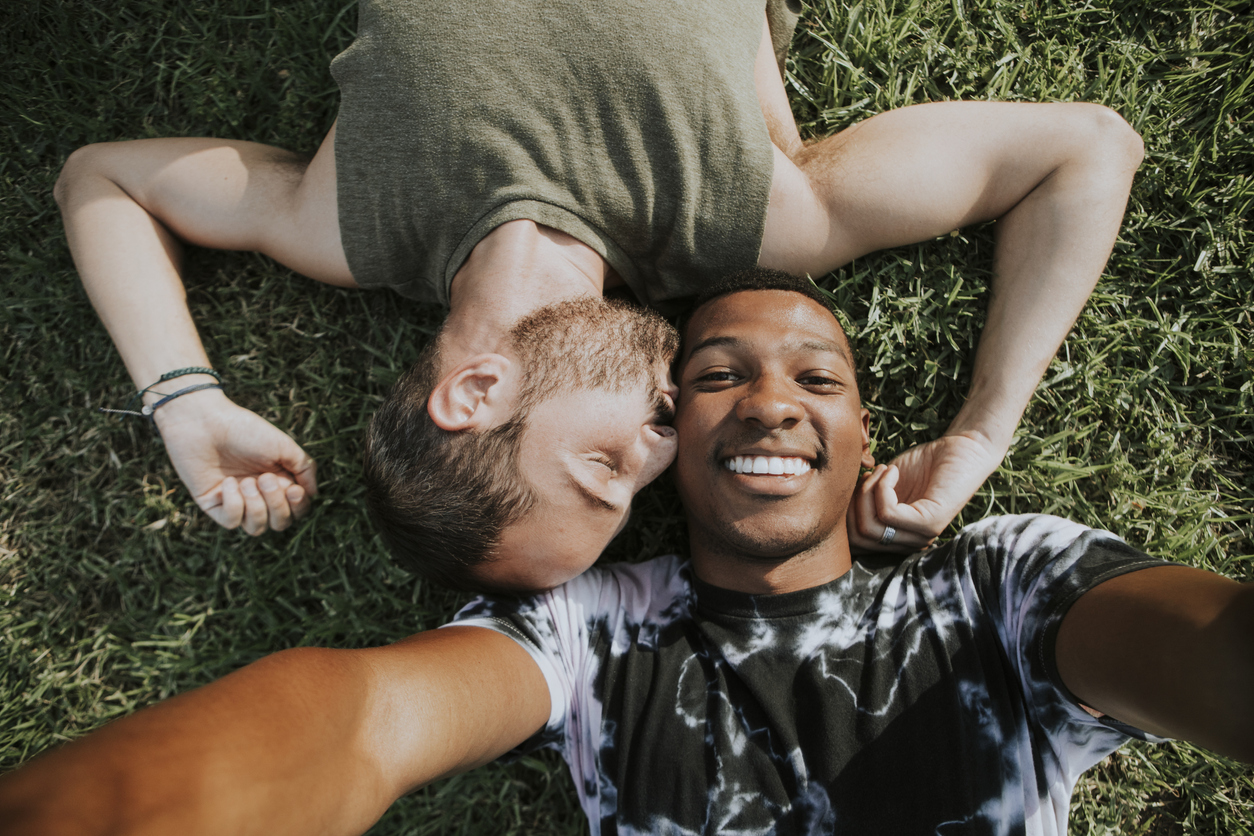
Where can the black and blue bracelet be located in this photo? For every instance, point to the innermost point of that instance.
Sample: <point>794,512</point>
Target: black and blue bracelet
<point>147,410</point>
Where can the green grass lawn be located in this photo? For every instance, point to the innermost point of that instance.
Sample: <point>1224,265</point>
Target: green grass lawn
<point>116,592</point>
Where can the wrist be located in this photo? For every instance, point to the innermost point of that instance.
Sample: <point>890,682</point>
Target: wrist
<point>991,448</point>
<point>191,407</point>
<point>991,428</point>
<point>161,390</point>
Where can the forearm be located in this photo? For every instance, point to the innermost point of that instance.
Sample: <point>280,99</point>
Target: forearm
<point>1054,177</point>
<point>129,265</point>
<point>1169,650</point>
<point>1051,250</point>
<point>1032,309</point>
<point>251,753</point>
<point>304,741</point>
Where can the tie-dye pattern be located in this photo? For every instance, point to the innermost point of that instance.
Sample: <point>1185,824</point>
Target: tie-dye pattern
<point>914,696</point>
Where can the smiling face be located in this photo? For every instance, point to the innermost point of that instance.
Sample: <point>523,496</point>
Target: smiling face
<point>772,436</point>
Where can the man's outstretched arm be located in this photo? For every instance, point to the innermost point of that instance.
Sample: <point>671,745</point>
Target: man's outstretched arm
<point>1056,177</point>
<point>1169,650</point>
<point>304,741</point>
<point>127,207</point>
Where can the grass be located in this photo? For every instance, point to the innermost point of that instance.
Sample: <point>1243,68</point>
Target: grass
<point>116,592</point>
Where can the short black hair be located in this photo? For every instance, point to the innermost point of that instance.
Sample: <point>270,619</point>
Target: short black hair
<point>762,278</point>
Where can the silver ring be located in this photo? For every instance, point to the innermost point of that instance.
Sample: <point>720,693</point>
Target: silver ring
<point>888,535</point>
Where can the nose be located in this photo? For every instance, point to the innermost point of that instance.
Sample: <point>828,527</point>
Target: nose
<point>667,385</point>
<point>659,451</point>
<point>771,402</point>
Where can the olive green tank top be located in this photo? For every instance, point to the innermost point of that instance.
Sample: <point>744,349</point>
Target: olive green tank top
<point>631,125</point>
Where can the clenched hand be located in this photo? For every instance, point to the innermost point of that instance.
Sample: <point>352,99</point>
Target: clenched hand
<point>240,468</point>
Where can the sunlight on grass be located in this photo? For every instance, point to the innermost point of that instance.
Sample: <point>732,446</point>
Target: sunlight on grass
<point>115,591</point>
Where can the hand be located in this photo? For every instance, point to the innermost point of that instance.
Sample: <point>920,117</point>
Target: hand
<point>240,468</point>
<point>919,492</point>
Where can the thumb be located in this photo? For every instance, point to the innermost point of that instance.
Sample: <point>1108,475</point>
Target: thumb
<point>301,465</point>
<point>915,517</point>
<point>885,492</point>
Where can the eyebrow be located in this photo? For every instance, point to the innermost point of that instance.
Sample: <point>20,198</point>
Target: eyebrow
<point>594,501</point>
<point>804,345</point>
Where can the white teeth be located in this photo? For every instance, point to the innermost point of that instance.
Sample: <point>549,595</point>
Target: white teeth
<point>772,465</point>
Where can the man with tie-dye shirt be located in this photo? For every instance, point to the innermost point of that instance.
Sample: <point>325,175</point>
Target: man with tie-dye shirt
<point>770,684</point>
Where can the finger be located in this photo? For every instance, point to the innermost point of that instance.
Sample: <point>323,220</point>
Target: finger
<point>890,510</point>
<point>905,518</point>
<point>299,501</point>
<point>885,494</point>
<point>888,536</point>
<point>297,497</point>
<point>901,541</point>
<point>211,502</point>
<point>302,467</point>
<point>869,528</point>
<point>224,505</point>
<point>279,513</point>
<point>864,530</point>
<point>877,493</point>
<point>254,506</point>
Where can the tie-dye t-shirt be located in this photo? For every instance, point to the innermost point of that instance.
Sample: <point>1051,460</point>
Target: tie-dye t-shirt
<point>915,696</point>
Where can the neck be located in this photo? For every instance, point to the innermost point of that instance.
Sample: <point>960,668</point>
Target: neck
<point>727,567</point>
<point>517,268</point>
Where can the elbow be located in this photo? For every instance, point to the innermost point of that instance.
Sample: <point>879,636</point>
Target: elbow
<point>79,167</point>
<point>1121,138</point>
<point>1105,137</point>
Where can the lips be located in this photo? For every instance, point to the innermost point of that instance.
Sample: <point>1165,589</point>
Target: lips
<point>768,465</point>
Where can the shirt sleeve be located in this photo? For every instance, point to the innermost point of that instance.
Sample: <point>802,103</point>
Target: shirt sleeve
<point>573,633</point>
<point>554,628</point>
<point>1029,571</point>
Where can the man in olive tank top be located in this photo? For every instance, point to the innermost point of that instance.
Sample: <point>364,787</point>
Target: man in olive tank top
<point>513,161</point>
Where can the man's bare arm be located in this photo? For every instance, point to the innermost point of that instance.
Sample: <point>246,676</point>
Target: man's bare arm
<point>1056,177</point>
<point>127,207</point>
<point>773,99</point>
<point>304,741</point>
<point>1169,650</point>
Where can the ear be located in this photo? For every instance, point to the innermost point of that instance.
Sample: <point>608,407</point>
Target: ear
<point>476,394</point>
<point>868,460</point>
